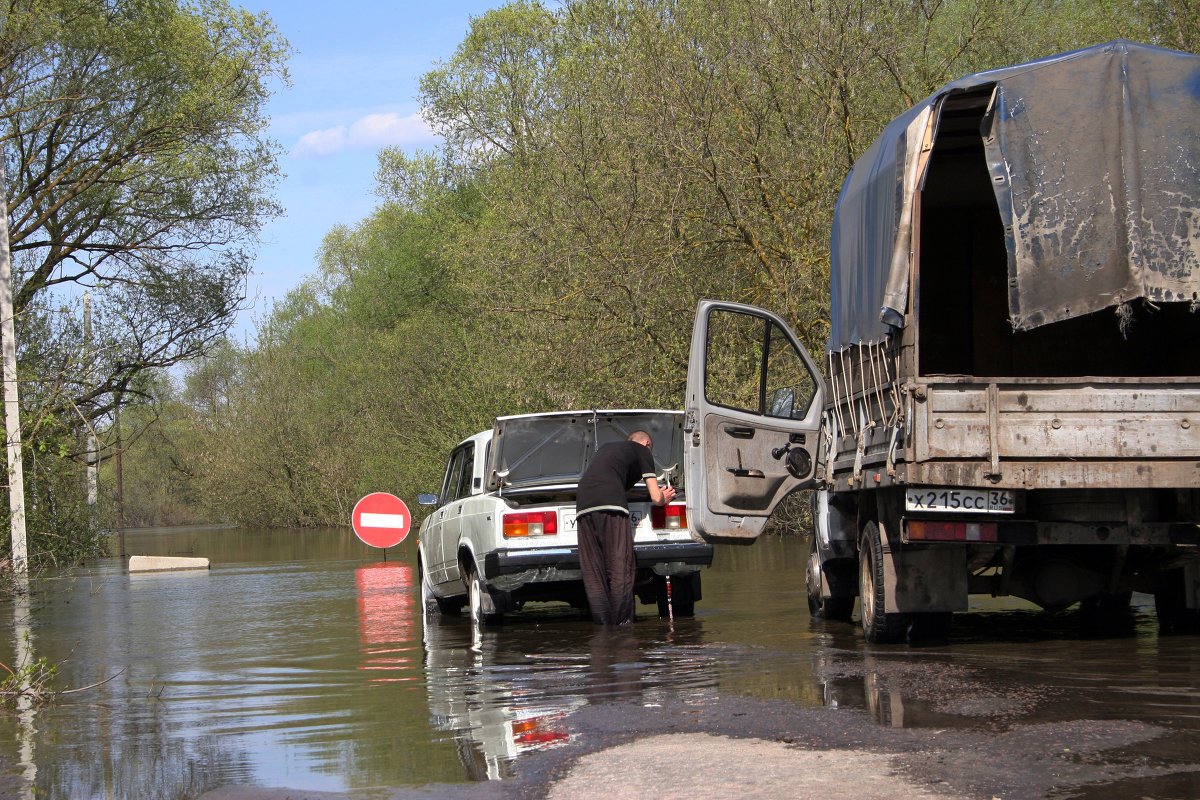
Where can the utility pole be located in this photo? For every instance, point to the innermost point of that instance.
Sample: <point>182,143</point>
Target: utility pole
<point>93,456</point>
<point>120,475</point>
<point>12,408</point>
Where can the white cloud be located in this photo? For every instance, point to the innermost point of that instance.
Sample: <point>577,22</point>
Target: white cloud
<point>370,132</point>
<point>321,143</point>
<point>382,130</point>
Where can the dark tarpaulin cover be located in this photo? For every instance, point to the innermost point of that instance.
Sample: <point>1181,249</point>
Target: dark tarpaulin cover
<point>1095,161</point>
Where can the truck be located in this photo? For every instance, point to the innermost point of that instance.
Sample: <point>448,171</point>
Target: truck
<point>502,529</point>
<point>1009,401</point>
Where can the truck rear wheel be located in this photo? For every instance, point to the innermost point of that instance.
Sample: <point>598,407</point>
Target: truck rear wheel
<point>1170,604</point>
<point>879,626</point>
<point>834,608</point>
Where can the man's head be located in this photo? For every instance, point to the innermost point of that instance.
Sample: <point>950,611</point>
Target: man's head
<point>641,437</point>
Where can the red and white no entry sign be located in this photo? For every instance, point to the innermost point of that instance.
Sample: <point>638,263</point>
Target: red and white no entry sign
<point>381,520</point>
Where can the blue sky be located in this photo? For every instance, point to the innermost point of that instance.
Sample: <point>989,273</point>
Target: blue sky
<point>355,75</point>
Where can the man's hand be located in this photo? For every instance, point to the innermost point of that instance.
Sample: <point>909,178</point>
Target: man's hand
<point>659,496</point>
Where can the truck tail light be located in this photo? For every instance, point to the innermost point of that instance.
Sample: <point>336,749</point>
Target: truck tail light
<point>530,523</point>
<point>923,530</point>
<point>671,517</point>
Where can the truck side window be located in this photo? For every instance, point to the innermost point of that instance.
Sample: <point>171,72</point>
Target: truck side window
<point>751,365</point>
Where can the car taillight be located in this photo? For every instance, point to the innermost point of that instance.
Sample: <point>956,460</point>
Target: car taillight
<point>921,530</point>
<point>671,517</point>
<point>530,523</point>
<point>539,732</point>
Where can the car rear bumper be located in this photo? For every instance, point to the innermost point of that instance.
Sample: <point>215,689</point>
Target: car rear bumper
<point>509,562</point>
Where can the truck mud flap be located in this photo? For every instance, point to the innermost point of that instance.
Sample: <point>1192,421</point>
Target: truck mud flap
<point>925,578</point>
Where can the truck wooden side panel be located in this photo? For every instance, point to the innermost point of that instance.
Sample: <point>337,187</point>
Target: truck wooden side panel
<point>1012,432</point>
<point>1058,422</point>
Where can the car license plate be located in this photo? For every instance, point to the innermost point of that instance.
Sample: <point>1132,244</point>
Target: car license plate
<point>637,519</point>
<point>972,501</point>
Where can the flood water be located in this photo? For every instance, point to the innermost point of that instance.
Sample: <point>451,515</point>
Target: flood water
<point>300,660</point>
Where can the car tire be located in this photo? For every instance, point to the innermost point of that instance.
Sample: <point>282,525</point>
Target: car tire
<point>476,589</point>
<point>839,609</point>
<point>878,626</point>
<point>428,599</point>
<point>682,598</point>
<point>450,607</point>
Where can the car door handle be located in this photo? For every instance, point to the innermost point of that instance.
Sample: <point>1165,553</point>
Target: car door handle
<point>747,473</point>
<point>738,432</point>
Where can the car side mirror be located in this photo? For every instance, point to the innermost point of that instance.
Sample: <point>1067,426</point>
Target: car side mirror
<point>427,499</point>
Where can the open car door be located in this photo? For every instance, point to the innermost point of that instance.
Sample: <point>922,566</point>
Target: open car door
<point>752,419</point>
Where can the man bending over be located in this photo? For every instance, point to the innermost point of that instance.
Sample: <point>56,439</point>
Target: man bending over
<point>605,534</point>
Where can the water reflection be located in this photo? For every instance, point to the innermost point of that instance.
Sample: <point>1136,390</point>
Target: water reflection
<point>479,701</point>
<point>386,610</point>
<point>1003,666</point>
<point>26,713</point>
<point>512,689</point>
<point>293,662</point>
<point>300,661</point>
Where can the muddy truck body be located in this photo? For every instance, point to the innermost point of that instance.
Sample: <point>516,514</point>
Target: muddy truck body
<point>1009,404</point>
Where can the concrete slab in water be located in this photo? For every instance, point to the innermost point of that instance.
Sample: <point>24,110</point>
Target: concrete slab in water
<point>164,563</point>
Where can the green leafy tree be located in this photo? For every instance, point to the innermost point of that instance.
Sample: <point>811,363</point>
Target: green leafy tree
<point>137,168</point>
<point>606,164</point>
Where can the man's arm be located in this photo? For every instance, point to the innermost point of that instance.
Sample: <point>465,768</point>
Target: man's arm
<point>660,497</point>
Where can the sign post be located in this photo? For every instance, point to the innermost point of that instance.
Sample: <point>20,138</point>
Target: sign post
<point>381,520</point>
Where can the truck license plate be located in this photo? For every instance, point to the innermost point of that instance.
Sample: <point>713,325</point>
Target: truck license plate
<point>972,501</point>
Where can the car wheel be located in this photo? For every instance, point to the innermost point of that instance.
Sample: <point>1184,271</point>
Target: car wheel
<point>682,597</point>
<point>475,594</point>
<point>879,626</point>
<point>833,608</point>
<point>448,606</point>
<point>428,599</point>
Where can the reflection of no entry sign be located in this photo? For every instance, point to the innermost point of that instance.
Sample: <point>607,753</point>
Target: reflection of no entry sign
<point>381,520</point>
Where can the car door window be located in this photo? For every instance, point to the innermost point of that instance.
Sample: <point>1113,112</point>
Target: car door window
<point>453,476</point>
<point>752,366</point>
<point>466,471</point>
<point>789,386</point>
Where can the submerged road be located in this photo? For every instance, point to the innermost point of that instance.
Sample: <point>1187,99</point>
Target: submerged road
<point>772,750</point>
<point>1016,704</point>
<point>299,666</point>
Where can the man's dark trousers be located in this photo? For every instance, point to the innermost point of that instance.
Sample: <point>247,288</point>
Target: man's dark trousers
<point>608,565</point>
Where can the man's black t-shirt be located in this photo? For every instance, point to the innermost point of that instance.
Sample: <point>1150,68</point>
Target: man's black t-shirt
<point>613,472</point>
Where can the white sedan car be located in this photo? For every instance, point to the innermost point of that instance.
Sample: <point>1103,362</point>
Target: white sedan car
<point>502,530</point>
